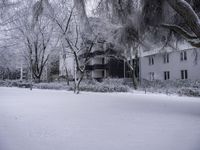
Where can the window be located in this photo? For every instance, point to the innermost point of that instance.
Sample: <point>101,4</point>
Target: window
<point>166,75</point>
<point>184,74</point>
<point>102,74</point>
<point>151,76</point>
<point>183,56</point>
<point>103,61</point>
<point>166,58</point>
<point>151,60</point>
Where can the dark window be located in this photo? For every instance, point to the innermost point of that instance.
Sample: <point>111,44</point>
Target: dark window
<point>183,56</point>
<point>166,75</point>
<point>103,61</point>
<point>166,58</point>
<point>184,74</point>
<point>151,60</point>
<point>103,73</point>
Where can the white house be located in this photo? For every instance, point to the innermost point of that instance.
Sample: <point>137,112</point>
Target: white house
<point>169,64</point>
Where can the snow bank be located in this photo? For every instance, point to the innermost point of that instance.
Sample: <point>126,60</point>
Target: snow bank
<point>180,87</point>
<point>49,120</point>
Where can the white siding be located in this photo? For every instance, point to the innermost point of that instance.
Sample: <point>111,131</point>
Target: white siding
<point>175,66</point>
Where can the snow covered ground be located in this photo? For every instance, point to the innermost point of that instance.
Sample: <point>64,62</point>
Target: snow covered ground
<point>59,120</point>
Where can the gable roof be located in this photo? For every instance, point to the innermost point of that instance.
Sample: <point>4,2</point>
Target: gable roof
<point>159,50</point>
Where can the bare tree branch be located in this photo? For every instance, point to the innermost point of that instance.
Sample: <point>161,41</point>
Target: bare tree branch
<point>187,12</point>
<point>180,31</point>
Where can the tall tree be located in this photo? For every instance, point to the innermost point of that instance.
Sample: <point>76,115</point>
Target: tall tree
<point>38,39</point>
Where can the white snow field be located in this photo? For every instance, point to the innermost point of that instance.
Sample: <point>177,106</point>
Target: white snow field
<point>60,120</point>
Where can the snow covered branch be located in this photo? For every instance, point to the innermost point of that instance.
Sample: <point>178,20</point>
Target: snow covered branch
<point>186,11</point>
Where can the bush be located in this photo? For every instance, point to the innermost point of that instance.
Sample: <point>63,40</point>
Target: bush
<point>181,87</point>
<point>169,83</point>
<point>4,83</point>
<point>189,92</point>
<point>14,83</point>
<point>107,85</point>
<point>52,85</point>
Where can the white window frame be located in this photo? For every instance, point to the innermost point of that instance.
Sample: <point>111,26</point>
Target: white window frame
<point>151,76</point>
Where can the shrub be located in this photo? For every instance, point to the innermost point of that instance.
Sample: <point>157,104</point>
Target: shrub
<point>14,83</point>
<point>181,87</point>
<point>4,83</point>
<point>169,83</point>
<point>189,92</point>
<point>52,85</point>
<point>107,85</point>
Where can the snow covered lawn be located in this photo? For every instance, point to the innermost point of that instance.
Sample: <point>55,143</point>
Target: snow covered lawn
<point>59,120</point>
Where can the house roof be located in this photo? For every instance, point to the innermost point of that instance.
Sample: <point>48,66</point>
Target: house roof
<point>159,50</point>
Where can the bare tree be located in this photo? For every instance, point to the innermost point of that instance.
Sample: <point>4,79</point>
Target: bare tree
<point>82,57</point>
<point>77,45</point>
<point>38,41</point>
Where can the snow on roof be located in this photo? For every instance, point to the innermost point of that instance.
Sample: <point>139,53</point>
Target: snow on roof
<point>159,50</point>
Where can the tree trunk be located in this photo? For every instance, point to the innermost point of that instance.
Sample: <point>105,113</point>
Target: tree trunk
<point>134,79</point>
<point>77,84</point>
<point>38,79</point>
<point>31,71</point>
<point>67,81</point>
<point>67,77</point>
<point>76,89</point>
